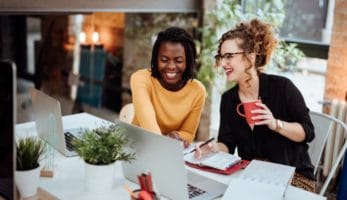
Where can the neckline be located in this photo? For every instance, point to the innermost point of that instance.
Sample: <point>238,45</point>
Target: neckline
<point>181,86</point>
<point>163,89</point>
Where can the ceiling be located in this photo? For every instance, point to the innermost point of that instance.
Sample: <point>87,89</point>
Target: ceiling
<point>81,6</point>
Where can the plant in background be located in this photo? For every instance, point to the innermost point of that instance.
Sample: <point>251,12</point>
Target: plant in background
<point>145,26</point>
<point>287,56</point>
<point>29,150</point>
<point>103,145</point>
<point>225,15</point>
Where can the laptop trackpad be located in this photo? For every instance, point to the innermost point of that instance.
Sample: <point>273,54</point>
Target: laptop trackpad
<point>213,188</point>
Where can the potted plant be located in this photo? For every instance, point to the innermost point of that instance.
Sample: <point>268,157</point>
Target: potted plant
<point>100,149</point>
<point>29,150</point>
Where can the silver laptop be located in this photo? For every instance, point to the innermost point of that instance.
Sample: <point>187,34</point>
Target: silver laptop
<point>163,157</point>
<point>49,126</point>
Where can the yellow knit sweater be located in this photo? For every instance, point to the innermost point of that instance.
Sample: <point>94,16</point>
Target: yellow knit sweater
<point>163,111</point>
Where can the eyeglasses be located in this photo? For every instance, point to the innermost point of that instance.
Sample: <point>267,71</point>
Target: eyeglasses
<point>227,56</point>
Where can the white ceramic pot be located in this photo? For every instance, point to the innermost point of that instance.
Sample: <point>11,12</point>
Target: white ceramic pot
<point>27,182</point>
<point>99,178</point>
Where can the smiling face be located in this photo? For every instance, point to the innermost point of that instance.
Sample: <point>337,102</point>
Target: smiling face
<point>171,65</point>
<point>233,60</point>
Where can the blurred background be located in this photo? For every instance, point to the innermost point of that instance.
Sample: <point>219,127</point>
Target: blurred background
<point>83,52</point>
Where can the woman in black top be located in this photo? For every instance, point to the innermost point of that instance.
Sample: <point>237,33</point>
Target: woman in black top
<point>284,128</point>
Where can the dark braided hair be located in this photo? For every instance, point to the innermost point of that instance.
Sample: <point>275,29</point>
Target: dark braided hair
<point>175,35</point>
<point>256,37</point>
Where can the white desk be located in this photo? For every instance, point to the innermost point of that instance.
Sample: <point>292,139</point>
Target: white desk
<point>68,180</point>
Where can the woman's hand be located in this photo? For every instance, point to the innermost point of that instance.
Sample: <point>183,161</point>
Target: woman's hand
<point>265,116</point>
<point>205,150</point>
<point>176,136</point>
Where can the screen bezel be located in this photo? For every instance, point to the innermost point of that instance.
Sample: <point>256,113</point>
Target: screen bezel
<point>8,74</point>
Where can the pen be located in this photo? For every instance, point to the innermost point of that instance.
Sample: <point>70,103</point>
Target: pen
<point>201,145</point>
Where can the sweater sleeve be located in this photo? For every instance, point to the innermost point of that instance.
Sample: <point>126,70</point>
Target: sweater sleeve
<point>143,106</point>
<point>298,110</point>
<point>190,124</point>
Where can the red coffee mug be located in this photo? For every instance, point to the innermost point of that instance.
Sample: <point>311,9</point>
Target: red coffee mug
<point>248,107</point>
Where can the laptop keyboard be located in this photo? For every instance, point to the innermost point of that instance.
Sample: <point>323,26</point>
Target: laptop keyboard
<point>68,141</point>
<point>194,191</point>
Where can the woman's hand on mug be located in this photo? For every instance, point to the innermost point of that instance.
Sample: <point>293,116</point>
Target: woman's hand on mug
<point>264,116</point>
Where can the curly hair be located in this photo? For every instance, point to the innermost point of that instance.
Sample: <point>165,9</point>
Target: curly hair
<point>256,37</point>
<point>175,35</point>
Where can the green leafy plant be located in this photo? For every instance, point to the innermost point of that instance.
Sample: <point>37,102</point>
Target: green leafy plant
<point>29,151</point>
<point>103,146</point>
<point>287,56</point>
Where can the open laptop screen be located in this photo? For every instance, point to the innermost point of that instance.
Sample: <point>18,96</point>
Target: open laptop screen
<point>7,121</point>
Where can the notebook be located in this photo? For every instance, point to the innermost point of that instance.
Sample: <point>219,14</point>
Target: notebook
<point>163,157</point>
<point>219,160</point>
<point>262,181</point>
<point>49,126</point>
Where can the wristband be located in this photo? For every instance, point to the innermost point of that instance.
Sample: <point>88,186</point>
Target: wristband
<point>279,125</point>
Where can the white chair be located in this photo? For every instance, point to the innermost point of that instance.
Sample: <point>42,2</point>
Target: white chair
<point>127,113</point>
<point>323,124</point>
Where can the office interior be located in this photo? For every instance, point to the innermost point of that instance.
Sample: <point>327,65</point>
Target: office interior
<point>52,48</point>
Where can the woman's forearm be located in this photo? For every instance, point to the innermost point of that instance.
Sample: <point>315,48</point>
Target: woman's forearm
<point>292,131</point>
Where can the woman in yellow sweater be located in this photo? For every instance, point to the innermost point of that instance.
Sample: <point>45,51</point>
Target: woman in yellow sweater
<point>167,99</point>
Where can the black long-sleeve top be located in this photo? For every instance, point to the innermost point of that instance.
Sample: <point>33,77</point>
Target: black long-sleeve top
<point>286,103</point>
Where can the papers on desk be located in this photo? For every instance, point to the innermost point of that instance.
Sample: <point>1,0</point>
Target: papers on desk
<point>294,193</point>
<point>262,181</point>
<point>219,160</point>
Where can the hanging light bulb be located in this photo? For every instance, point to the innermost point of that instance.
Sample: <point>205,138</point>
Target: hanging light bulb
<point>95,37</point>
<point>82,37</point>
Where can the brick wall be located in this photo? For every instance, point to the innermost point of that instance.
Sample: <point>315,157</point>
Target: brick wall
<point>52,57</point>
<point>336,80</point>
<point>110,27</point>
